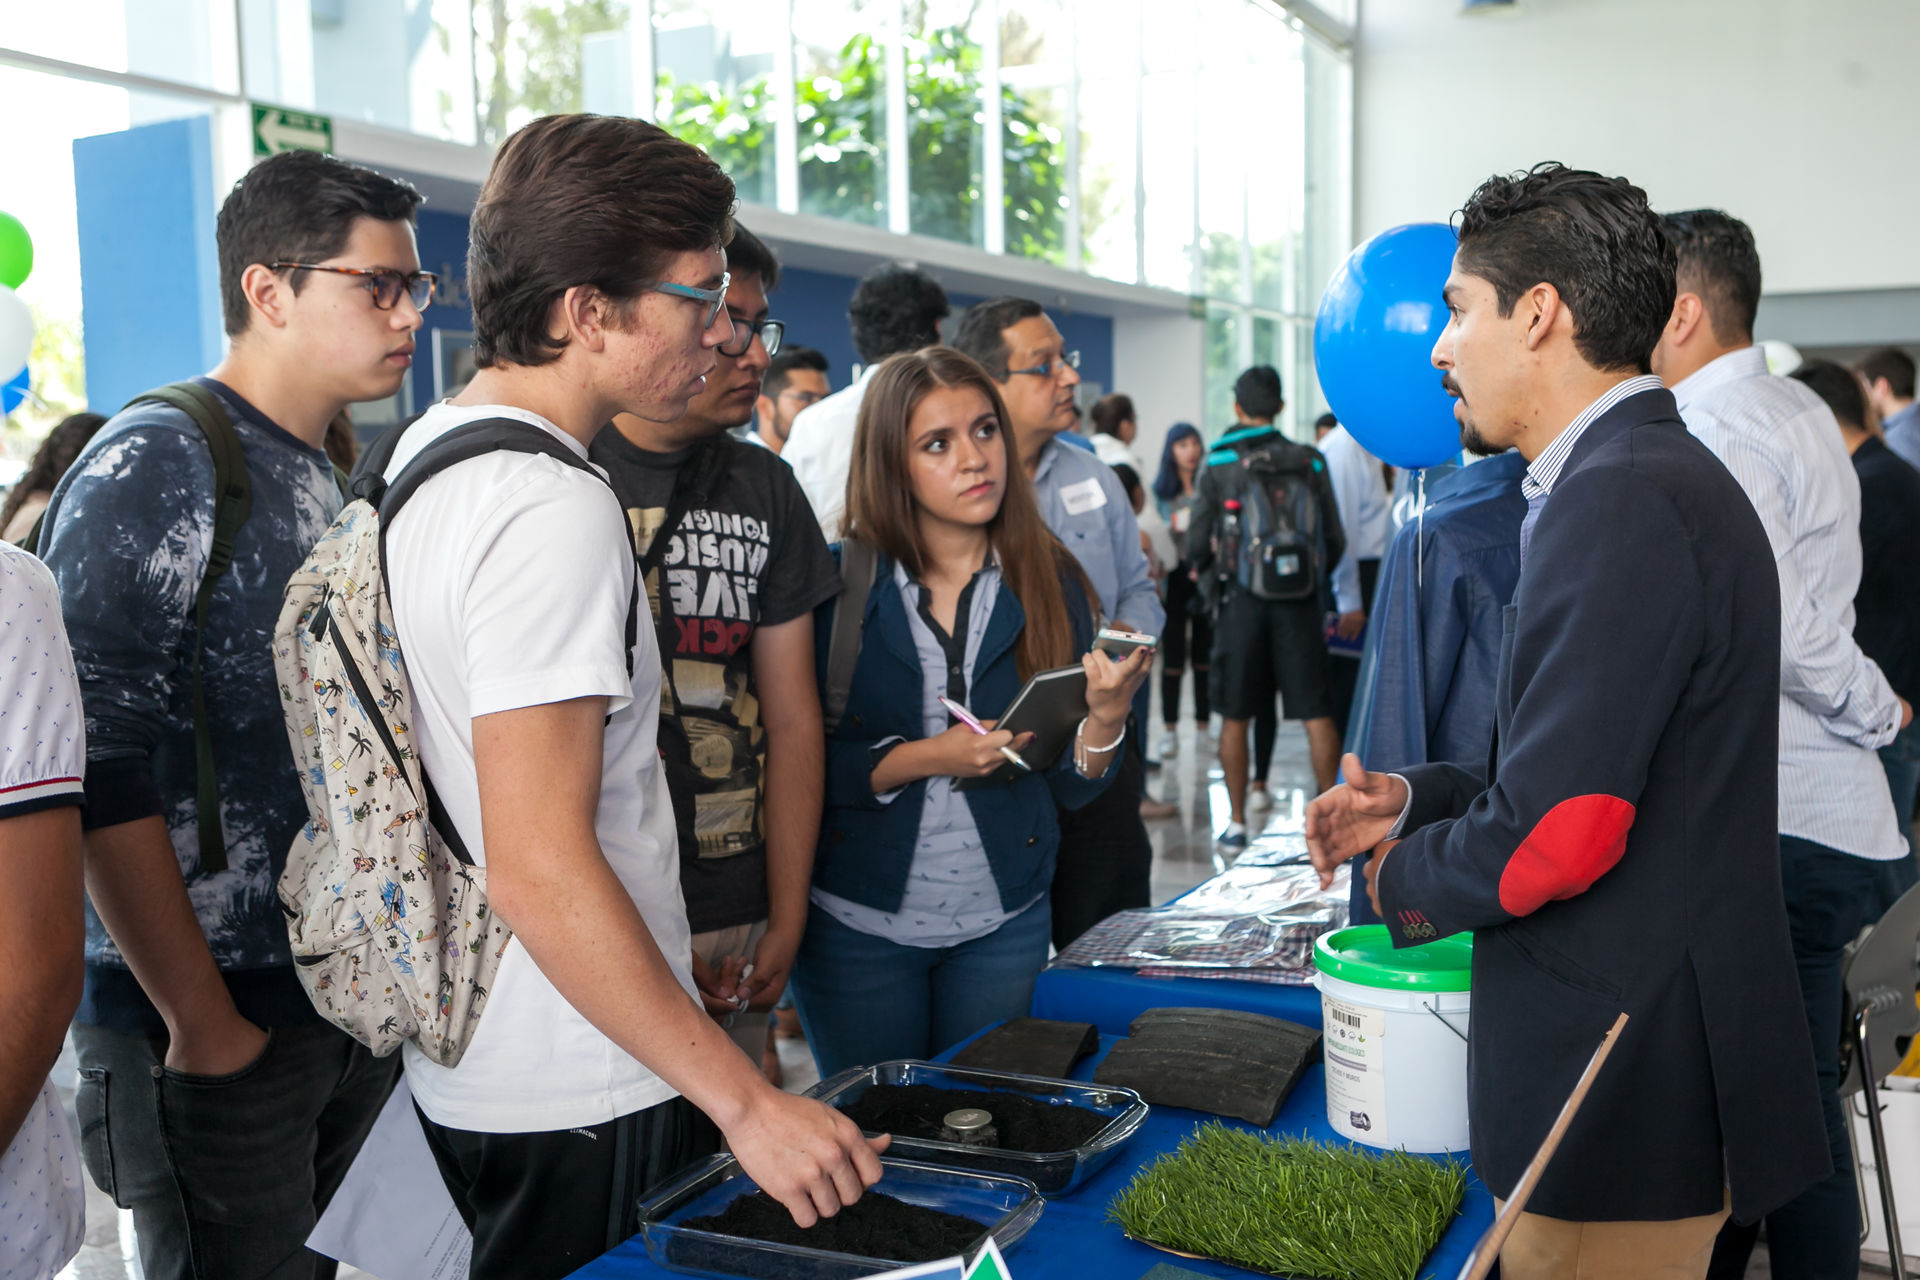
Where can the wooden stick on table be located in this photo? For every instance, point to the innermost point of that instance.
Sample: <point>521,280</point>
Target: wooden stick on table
<point>1480,1261</point>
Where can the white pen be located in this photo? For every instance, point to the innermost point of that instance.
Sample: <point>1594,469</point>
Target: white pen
<point>965,717</point>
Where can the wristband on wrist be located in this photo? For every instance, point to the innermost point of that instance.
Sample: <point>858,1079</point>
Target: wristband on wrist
<point>1083,753</point>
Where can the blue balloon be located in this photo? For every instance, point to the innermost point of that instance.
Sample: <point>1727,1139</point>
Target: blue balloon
<point>1373,345</point>
<point>14,393</point>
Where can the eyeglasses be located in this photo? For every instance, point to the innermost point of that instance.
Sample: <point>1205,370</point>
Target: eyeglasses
<point>384,283</point>
<point>770,332</point>
<point>715,298</point>
<point>1051,369</point>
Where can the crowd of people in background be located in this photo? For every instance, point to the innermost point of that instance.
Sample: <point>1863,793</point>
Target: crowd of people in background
<point>699,792</point>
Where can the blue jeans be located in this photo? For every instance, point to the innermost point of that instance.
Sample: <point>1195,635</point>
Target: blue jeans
<point>1831,896</point>
<point>226,1175</point>
<point>1901,759</point>
<point>863,999</point>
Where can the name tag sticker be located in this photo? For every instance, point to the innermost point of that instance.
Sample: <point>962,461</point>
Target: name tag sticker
<point>1083,497</point>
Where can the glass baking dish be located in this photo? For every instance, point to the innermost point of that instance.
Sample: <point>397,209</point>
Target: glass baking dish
<point>1006,1209</point>
<point>1054,1172</point>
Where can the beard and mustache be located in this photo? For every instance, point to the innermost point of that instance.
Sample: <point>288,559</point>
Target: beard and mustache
<point>1470,438</point>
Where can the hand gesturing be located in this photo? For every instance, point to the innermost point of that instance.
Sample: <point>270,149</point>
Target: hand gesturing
<point>1350,819</point>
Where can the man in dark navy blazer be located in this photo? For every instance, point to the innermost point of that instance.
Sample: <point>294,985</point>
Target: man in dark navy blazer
<point>1616,850</point>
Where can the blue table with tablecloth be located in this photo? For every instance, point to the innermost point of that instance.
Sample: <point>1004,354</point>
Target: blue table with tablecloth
<point>1074,1241</point>
<point>1111,998</point>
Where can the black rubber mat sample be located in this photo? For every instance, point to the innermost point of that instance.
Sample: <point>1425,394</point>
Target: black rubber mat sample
<point>1220,1061</point>
<point>1032,1047</point>
<point>874,1226</point>
<point>1024,1124</point>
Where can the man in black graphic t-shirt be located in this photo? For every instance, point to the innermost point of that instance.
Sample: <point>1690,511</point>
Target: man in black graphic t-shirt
<point>732,589</point>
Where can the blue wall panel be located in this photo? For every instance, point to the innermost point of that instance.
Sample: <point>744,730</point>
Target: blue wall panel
<point>442,238</point>
<point>149,277</point>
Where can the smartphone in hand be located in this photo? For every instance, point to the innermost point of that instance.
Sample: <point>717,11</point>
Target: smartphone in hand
<point>1120,645</point>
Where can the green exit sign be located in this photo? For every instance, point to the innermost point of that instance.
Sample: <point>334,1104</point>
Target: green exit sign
<point>276,129</point>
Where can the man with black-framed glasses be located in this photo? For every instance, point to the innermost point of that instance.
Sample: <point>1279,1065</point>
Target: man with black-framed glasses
<point>733,587</point>
<point>1106,860</point>
<point>218,1106</point>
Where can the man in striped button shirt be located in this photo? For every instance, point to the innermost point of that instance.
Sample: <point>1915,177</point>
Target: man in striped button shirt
<point>1837,824</point>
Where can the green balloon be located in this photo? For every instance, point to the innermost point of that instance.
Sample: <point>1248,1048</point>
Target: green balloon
<point>16,252</point>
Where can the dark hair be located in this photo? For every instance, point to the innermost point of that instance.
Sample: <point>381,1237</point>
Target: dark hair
<point>1594,239</point>
<point>749,255</point>
<point>583,200</point>
<point>1129,479</point>
<point>895,308</point>
<point>789,359</point>
<point>1839,386</point>
<point>1893,364</point>
<point>1326,420</point>
<point>342,442</point>
<point>51,461</point>
<point>1257,391</point>
<point>1716,258</point>
<point>298,206</point>
<point>1167,483</point>
<point>880,508</point>
<point>1109,411</point>
<point>981,331</point>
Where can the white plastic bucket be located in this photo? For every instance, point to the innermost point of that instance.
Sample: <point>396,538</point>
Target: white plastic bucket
<point>1396,1052</point>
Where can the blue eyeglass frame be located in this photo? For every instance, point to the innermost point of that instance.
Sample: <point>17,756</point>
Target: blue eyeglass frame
<point>716,298</point>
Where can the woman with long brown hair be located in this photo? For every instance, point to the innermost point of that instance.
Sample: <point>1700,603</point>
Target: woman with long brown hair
<point>930,912</point>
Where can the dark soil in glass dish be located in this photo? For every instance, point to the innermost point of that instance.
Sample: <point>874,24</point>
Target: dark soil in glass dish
<point>874,1226</point>
<point>1022,1124</point>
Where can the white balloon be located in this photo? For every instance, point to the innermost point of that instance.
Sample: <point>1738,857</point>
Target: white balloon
<point>16,330</point>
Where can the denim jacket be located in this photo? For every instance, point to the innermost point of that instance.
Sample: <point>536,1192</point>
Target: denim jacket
<point>866,847</point>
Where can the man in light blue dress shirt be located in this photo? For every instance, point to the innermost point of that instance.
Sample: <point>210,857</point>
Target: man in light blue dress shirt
<point>1888,374</point>
<point>1836,819</point>
<point>1105,856</point>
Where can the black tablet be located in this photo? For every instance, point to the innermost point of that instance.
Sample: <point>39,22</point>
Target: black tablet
<point>1050,707</point>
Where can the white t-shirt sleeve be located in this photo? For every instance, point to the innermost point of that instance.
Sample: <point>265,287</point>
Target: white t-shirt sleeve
<point>43,737</point>
<point>548,596</point>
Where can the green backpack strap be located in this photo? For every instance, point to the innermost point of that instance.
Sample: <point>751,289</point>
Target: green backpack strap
<point>232,502</point>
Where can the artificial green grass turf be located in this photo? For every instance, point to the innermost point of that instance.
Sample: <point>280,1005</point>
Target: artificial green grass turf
<point>1292,1206</point>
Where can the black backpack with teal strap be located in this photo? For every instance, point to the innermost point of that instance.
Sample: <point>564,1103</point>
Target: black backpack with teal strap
<point>232,503</point>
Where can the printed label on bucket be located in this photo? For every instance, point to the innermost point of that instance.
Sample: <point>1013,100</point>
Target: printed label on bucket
<point>1355,1048</point>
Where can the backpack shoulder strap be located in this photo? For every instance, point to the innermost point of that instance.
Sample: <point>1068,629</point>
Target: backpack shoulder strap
<point>487,435</point>
<point>232,503</point>
<point>859,565</point>
<point>371,467</point>
<point>474,439</point>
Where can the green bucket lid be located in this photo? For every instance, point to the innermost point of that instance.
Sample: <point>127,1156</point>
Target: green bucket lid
<point>1365,956</point>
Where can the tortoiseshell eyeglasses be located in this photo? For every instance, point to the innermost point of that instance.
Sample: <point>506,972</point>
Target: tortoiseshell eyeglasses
<point>384,283</point>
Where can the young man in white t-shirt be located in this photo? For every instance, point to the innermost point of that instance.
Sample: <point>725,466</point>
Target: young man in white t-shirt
<point>43,750</point>
<point>511,578</point>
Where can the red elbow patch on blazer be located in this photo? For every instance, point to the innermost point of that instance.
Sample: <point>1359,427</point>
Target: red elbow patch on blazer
<point>1578,841</point>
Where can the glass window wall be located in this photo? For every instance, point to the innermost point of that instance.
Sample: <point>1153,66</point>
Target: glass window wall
<point>191,42</point>
<point>1036,71</point>
<point>946,139</point>
<point>1107,63</point>
<point>718,84</point>
<point>407,67</point>
<point>1203,148</point>
<point>840,89</point>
